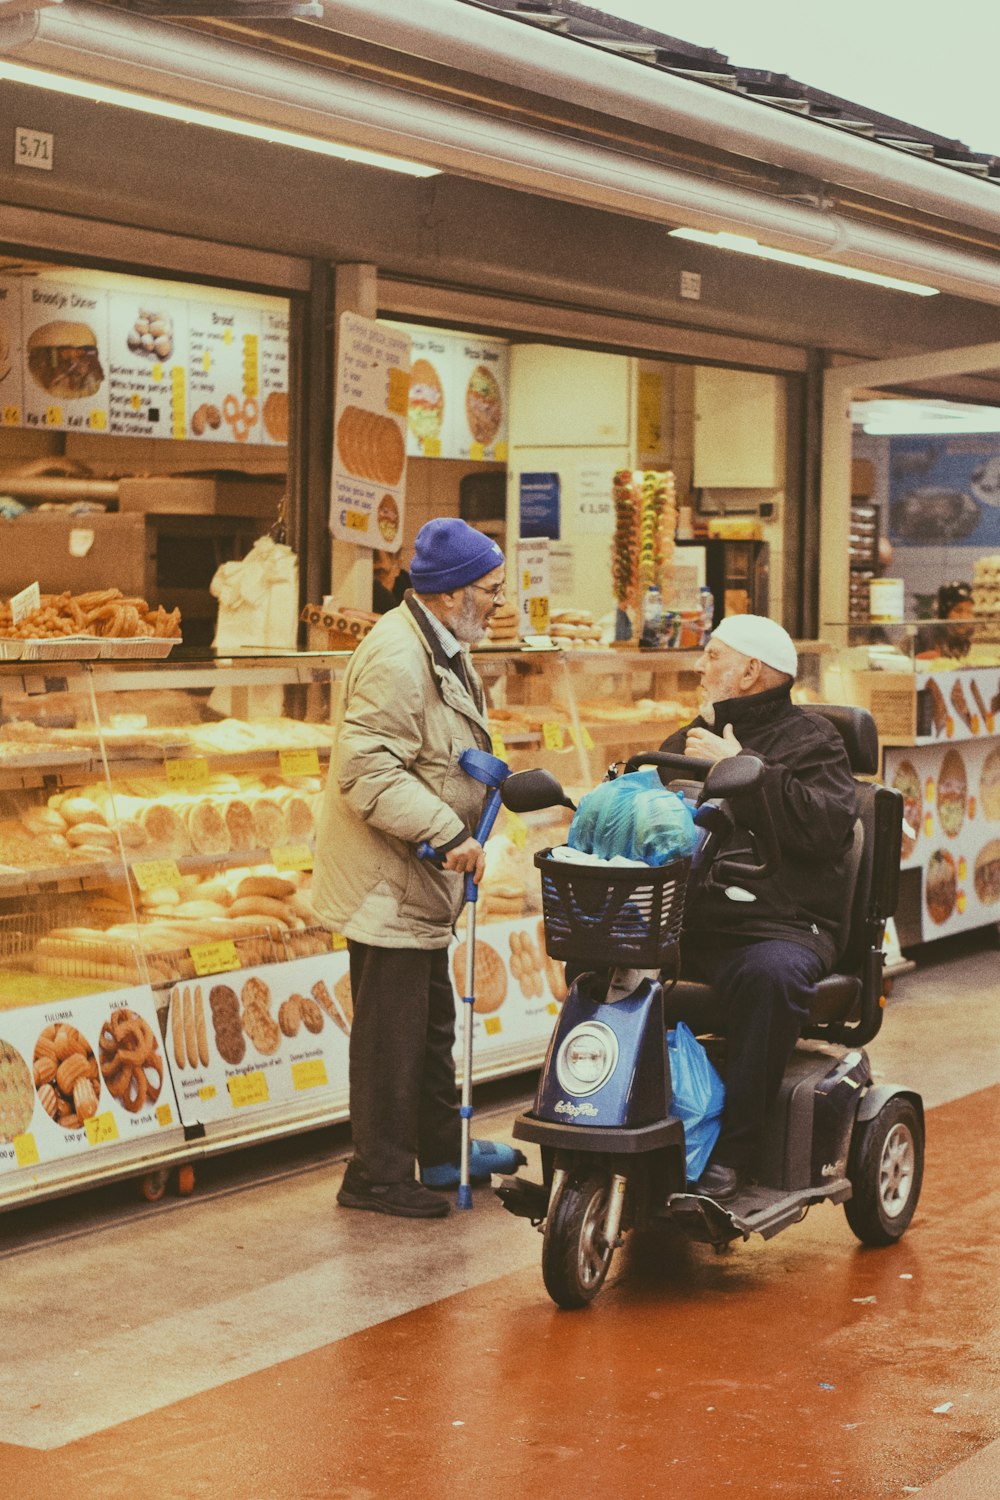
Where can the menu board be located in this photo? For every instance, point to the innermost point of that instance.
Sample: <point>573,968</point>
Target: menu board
<point>370,406</point>
<point>82,1075</point>
<point>458,396</point>
<point>243,1040</point>
<point>141,363</point>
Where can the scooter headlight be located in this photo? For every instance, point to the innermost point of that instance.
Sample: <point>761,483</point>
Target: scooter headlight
<point>587,1058</point>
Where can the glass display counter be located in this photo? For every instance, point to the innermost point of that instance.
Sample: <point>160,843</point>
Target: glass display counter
<point>166,988</point>
<point>933,688</point>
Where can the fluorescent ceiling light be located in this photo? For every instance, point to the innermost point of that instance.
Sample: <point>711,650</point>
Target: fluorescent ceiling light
<point>165,109</point>
<point>743,245</point>
<point>898,418</point>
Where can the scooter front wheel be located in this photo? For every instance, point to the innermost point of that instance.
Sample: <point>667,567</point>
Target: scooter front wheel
<point>575,1254</point>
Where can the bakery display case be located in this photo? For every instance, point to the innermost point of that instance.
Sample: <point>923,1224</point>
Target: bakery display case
<point>933,688</point>
<point>166,987</point>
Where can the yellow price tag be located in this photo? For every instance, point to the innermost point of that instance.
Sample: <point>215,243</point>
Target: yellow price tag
<point>207,1092</point>
<point>135,401</point>
<point>476,452</point>
<point>500,452</point>
<point>25,1150</point>
<point>214,958</point>
<point>154,874</point>
<point>431,447</point>
<point>517,830</point>
<point>247,1088</point>
<point>497,741</point>
<point>585,737</point>
<point>157,373</point>
<point>292,857</point>
<point>164,1115</point>
<point>553,736</point>
<point>101,1129</point>
<point>187,771</point>
<point>338,942</point>
<point>310,1073</point>
<point>97,421</point>
<point>227,335</point>
<point>53,416</point>
<point>299,762</point>
<point>538,613</point>
<point>12,416</point>
<point>398,397</point>
<point>177,376</point>
<point>492,1025</point>
<point>250,343</point>
<point>206,361</point>
<point>356,520</point>
<point>552,1008</point>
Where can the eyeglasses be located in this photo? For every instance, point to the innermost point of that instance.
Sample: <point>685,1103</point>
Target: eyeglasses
<point>496,592</point>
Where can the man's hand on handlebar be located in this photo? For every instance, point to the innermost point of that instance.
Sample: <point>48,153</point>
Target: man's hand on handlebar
<point>702,744</point>
<point>466,858</point>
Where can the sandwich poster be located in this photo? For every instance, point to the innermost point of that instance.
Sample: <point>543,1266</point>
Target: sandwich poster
<point>143,363</point>
<point>458,396</point>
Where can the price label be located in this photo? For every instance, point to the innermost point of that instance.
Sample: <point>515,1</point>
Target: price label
<point>538,613</point>
<point>101,1129</point>
<point>500,453</point>
<point>12,416</point>
<point>431,447</point>
<point>207,1091</point>
<point>299,762</point>
<point>97,421</point>
<point>214,958</point>
<point>493,1025</point>
<point>53,416</point>
<point>247,1088</point>
<point>164,1115</point>
<point>25,1150</point>
<point>476,452</point>
<point>25,603</point>
<point>338,942</point>
<point>553,736</point>
<point>517,830</point>
<point>355,520</point>
<point>154,874</point>
<point>187,771</point>
<point>33,148</point>
<point>499,748</point>
<point>310,1073</point>
<point>292,857</point>
<point>552,1008</point>
<point>585,739</point>
<point>398,398</point>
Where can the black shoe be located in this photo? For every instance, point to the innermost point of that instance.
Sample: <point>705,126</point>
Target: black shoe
<point>719,1182</point>
<point>403,1200</point>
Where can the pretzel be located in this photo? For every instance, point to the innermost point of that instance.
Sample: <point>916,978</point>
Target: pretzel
<point>130,1062</point>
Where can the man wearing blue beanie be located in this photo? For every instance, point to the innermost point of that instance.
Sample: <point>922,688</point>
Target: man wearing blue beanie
<point>411,703</point>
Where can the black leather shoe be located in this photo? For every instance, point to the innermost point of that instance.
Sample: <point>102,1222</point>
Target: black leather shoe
<point>402,1200</point>
<point>719,1182</point>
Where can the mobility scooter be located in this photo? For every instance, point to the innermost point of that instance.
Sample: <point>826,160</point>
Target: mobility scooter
<point>613,1155</point>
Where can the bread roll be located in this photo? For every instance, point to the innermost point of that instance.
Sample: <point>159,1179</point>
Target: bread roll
<point>262,906</point>
<point>91,833</point>
<point>81,810</point>
<point>265,885</point>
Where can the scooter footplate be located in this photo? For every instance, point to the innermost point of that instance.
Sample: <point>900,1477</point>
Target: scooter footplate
<point>604,1140</point>
<point>757,1210</point>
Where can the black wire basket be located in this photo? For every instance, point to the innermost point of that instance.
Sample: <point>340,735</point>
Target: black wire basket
<point>627,917</point>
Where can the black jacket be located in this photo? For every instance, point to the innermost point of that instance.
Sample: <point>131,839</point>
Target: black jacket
<point>810,792</point>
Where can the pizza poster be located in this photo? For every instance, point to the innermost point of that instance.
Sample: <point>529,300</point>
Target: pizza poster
<point>64,333</point>
<point>960,704</point>
<point>458,396</point>
<point>241,1041</point>
<point>80,1076</point>
<point>951,830</point>
<point>371,393</point>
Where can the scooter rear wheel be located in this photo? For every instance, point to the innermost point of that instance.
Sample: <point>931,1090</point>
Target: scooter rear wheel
<point>575,1256</point>
<point>886,1168</point>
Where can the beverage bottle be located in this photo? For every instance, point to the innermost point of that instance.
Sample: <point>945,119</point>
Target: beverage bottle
<point>707,613</point>
<point>652,616</point>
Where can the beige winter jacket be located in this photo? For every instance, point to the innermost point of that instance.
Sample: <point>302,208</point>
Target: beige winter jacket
<point>403,721</point>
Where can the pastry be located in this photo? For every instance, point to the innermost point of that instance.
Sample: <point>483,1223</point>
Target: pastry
<point>311,1013</point>
<point>239,822</point>
<point>131,1065</point>
<point>344,998</point>
<point>17,1095</point>
<point>226,1023</point>
<point>290,1016</point>
<point>207,828</point>
<point>177,1028</point>
<point>75,1060</point>
<point>270,829</point>
<point>200,1029</point>
<point>987,873</point>
<point>490,981</point>
<point>960,704</point>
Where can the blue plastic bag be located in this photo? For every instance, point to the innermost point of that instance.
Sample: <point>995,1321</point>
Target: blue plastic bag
<point>636,817</point>
<point>699,1095</point>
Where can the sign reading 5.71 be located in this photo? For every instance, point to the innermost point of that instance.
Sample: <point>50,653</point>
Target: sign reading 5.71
<point>33,148</point>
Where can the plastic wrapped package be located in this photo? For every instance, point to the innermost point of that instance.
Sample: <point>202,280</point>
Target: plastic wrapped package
<point>699,1095</point>
<point>637,817</point>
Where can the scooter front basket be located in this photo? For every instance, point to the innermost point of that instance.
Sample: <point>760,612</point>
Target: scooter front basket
<point>627,917</point>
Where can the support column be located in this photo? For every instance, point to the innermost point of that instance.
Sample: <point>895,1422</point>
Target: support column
<point>355,290</point>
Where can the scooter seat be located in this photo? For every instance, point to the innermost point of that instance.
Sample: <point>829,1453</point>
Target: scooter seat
<point>835,998</point>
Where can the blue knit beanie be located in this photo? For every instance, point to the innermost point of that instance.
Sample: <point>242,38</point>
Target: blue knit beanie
<point>448,554</point>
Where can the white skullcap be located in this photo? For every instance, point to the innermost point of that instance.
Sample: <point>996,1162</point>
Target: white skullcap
<point>755,635</point>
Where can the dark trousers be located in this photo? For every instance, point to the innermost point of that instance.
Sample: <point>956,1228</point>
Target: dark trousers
<point>762,993</point>
<point>404,1102</point>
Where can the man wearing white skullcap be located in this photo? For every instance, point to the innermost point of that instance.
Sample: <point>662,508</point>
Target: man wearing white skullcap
<point>762,949</point>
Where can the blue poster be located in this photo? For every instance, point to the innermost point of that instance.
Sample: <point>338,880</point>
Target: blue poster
<point>945,490</point>
<point>540,505</point>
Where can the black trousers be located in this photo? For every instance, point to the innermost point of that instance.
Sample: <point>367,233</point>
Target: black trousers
<point>762,1001</point>
<point>404,1101</point>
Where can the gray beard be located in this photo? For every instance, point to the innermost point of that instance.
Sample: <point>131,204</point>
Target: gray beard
<point>707,710</point>
<point>465,625</point>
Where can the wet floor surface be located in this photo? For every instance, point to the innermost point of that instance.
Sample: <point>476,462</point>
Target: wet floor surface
<point>255,1343</point>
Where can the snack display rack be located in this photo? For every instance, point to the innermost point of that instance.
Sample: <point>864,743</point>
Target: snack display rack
<point>166,989</point>
<point>938,718</point>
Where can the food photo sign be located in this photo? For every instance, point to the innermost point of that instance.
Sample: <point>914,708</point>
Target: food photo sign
<point>243,1040</point>
<point>458,396</point>
<point>951,816</point>
<point>945,490</point>
<point>518,988</point>
<point>82,1075</point>
<point>371,401</point>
